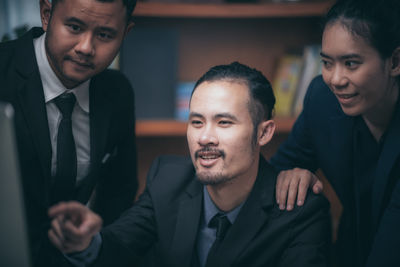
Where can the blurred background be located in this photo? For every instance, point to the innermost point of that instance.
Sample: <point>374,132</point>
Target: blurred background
<point>17,16</point>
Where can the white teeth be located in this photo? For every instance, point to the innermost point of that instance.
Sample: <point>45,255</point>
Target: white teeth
<point>209,157</point>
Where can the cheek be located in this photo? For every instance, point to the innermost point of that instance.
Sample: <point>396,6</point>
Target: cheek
<point>239,145</point>
<point>106,53</point>
<point>191,141</point>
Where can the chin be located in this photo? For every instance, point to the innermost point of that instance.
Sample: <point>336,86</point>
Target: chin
<point>208,178</point>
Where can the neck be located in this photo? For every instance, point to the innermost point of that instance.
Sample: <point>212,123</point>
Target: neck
<point>378,120</point>
<point>232,193</point>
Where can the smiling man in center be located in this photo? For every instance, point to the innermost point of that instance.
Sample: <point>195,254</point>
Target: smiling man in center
<point>216,208</point>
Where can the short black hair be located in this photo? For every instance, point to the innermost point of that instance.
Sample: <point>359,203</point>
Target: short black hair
<point>262,99</point>
<point>129,4</point>
<point>376,21</point>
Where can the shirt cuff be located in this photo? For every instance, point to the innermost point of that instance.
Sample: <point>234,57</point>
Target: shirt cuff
<point>87,256</point>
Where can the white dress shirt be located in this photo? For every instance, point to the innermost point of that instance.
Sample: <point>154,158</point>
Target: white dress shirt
<point>52,88</point>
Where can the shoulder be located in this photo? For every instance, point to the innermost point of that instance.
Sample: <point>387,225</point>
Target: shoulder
<point>114,86</point>
<point>170,175</point>
<point>7,53</point>
<point>112,80</point>
<point>315,208</point>
<point>314,203</point>
<point>170,165</point>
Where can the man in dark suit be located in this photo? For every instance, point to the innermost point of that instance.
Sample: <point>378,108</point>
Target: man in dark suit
<point>215,209</point>
<point>67,60</point>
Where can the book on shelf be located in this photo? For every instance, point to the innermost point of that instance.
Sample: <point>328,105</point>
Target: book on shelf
<point>285,83</point>
<point>311,67</point>
<point>293,77</point>
<point>183,93</point>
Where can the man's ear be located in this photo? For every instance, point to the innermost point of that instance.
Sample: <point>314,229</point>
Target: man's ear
<point>395,60</point>
<point>129,27</point>
<point>266,130</point>
<point>45,13</point>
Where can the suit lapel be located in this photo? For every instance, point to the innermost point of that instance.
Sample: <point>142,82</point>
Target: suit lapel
<point>100,110</point>
<point>187,225</point>
<point>100,116</point>
<point>251,218</point>
<point>388,158</point>
<point>31,99</point>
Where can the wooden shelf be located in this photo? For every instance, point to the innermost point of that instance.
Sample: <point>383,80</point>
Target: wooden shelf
<point>172,128</point>
<point>261,10</point>
<point>160,128</point>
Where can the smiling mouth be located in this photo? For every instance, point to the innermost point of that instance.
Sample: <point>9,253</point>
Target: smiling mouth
<point>209,156</point>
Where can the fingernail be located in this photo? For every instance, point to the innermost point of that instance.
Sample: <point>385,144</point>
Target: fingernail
<point>299,203</point>
<point>289,207</point>
<point>282,207</point>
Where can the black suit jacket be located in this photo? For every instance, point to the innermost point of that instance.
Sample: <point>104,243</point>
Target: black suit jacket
<point>322,137</point>
<point>168,213</point>
<point>112,131</point>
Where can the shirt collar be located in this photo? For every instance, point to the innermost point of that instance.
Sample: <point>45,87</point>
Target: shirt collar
<point>52,86</point>
<point>210,209</point>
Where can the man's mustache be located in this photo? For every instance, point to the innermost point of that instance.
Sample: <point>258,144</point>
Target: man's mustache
<point>207,150</point>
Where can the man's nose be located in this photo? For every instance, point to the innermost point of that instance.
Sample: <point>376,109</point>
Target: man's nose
<point>208,136</point>
<point>85,45</point>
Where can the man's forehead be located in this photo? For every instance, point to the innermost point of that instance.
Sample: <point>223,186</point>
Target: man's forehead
<point>110,14</point>
<point>220,97</point>
<point>220,90</point>
<point>95,7</point>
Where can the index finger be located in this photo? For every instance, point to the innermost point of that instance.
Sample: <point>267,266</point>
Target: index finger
<point>66,209</point>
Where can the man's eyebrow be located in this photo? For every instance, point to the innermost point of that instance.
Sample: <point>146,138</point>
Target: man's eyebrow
<point>80,22</point>
<point>225,115</point>
<point>75,20</point>
<point>195,114</point>
<point>109,30</point>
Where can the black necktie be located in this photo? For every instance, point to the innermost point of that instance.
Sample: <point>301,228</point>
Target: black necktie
<point>64,182</point>
<point>221,222</point>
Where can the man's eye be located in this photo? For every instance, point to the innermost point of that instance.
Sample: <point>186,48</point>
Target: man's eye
<point>196,123</point>
<point>73,27</point>
<point>225,123</point>
<point>105,36</point>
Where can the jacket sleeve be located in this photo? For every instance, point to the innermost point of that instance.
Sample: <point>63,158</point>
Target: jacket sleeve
<point>298,150</point>
<point>311,236</point>
<point>126,241</point>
